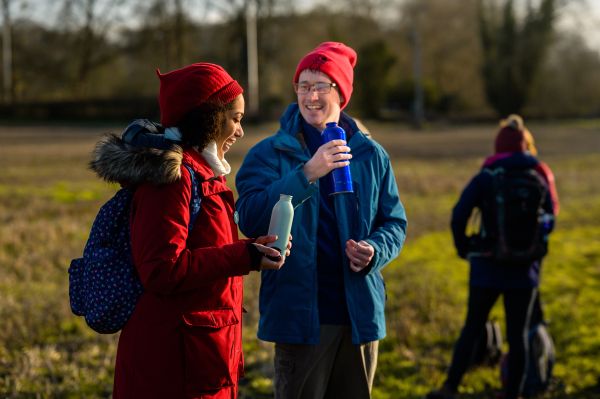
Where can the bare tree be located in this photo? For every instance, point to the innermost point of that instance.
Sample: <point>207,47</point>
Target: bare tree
<point>416,11</point>
<point>569,80</point>
<point>251,10</point>
<point>179,28</point>
<point>513,51</point>
<point>383,10</point>
<point>7,52</point>
<point>91,20</point>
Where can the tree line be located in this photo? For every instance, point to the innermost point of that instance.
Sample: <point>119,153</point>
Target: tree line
<point>428,58</point>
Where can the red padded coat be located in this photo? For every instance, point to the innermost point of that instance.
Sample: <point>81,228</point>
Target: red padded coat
<point>184,337</point>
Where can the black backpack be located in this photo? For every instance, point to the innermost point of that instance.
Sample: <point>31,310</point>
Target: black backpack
<point>521,223</point>
<point>539,364</point>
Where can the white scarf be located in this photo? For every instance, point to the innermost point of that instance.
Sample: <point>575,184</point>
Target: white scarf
<point>220,167</point>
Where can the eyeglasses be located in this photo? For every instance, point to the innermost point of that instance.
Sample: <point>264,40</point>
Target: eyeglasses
<point>319,87</point>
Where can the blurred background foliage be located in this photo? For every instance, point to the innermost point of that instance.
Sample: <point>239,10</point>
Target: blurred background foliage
<point>433,59</point>
<point>419,60</point>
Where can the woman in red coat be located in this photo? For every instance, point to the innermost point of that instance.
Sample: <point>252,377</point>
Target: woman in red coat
<point>184,337</point>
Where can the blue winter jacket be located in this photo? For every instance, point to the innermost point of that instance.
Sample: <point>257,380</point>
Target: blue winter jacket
<point>374,213</point>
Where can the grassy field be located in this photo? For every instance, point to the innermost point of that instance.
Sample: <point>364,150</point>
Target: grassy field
<point>48,200</point>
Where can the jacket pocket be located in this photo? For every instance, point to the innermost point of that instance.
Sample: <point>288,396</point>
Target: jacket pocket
<point>209,345</point>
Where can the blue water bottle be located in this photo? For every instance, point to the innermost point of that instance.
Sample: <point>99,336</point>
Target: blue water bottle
<point>341,181</point>
<point>547,223</point>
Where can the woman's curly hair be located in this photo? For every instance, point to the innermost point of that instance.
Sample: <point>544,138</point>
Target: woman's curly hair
<point>203,124</point>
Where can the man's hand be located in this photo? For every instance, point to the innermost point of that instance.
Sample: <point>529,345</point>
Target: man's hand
<point>359,253</point>
<point>329,156</point>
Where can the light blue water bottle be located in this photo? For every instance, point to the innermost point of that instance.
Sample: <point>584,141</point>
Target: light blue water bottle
<point>341,180</point>
<point>280,225</point>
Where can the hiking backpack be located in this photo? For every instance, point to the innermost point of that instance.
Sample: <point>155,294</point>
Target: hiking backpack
<point>522,224</point>
<point>104,286</point>
<point>539,364</point>
<point>487,349</point>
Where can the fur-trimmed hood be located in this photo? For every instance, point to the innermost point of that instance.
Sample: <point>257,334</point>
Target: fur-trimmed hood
<point>116,161</point>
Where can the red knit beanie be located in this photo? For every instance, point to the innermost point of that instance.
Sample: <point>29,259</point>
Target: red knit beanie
<point>510,139</point>
<point>184,89</point>
<point>334,59</point>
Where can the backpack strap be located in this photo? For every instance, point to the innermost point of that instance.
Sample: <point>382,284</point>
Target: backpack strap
<point>196,199</point>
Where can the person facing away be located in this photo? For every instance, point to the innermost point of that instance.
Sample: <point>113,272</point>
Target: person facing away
<point>183,339</point>
<point>488,279</point>
<point>325,310</point>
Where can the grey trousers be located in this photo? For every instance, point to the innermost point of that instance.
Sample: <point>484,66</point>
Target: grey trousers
<point>334,368</point>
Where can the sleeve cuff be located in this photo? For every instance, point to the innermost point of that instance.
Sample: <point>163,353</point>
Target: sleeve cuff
<point>255,256</point>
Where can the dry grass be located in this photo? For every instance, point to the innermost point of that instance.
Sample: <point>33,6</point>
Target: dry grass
<point>48,200</point>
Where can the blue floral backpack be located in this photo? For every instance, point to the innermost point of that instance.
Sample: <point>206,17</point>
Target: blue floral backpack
<point>103,285</point>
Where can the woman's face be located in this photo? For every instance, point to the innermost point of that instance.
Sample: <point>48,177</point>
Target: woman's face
<point>232,126</point>
<point>318,108</point>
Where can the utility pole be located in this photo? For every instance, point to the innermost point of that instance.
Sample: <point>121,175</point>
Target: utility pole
<point>7,52</point>
<point>415,40</point>
<point>252,57</point>
<point>179,33</point>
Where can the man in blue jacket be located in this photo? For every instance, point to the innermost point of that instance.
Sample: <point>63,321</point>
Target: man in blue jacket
<point>325,308</point>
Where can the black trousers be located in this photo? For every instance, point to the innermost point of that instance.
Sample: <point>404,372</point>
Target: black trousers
<point>518,306</point>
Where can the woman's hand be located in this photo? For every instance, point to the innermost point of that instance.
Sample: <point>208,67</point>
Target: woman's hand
<point>329,156</point>
<point>359,253</point>
<point>272,259</point>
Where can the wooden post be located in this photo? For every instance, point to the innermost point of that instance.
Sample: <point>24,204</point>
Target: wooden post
<point>7,52</point>
<point>252,58</point>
